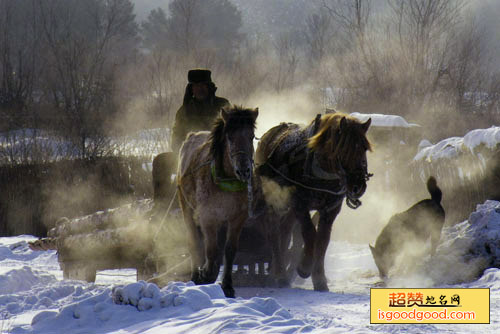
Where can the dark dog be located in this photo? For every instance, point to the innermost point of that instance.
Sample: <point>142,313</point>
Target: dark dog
<point>423,220</point>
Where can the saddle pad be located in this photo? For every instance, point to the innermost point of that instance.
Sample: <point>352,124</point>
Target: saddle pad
<point>284,137</point>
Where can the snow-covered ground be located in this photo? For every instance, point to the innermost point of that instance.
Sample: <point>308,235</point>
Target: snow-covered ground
<point>35,299</point>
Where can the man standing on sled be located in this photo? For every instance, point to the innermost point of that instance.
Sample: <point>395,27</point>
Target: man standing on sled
<point>199,109</point>
<point>198,112</point>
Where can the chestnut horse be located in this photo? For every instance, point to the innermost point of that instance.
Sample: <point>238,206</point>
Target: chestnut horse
<point>320,164</point>
<point>214,180</point>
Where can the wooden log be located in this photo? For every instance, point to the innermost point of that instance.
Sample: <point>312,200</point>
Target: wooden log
<point>44,244</point>
<point>102,220</point>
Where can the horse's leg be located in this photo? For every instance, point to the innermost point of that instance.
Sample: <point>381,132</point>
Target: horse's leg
<point>210,269</point>
<point>194,238</point>
<point>233,235</point>
<point>322,241</point>
<point>309,235</point>
<point>281,228</point>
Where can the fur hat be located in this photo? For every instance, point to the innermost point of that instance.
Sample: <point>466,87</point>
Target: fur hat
<point>199,75</point>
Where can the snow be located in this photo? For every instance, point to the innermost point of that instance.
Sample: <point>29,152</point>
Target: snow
<point>469,248</point>
<point>488,137</point>
<point>24,144</point>
<point>35,299</point>
<point>384,120</point>
<point>446,148</point>
<point>451,147</point>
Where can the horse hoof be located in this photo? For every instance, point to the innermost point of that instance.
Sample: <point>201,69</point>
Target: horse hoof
<point>303,273</point>
<point>196,278</point>
<point>322,287</point>
<point>228,291</point>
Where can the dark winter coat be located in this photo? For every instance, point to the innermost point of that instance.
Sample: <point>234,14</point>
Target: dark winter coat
<point>195,115</point>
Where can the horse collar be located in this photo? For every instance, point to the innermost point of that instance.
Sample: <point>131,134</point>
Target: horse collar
<point>226,184</point>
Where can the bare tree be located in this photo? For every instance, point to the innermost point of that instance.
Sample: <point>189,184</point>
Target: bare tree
<point>85,40</point>
<point>287,61</point>
<point>204,29</point>
<point>162,83</point>
<point>465,68</point>
<point>352,17</point>
<point>185,30</point>
<point>358,62</point>
<point>155,30</point>
<point>425,30</point>
<point>20,64</point>
<point>250,68</point>
<point>317,35</point>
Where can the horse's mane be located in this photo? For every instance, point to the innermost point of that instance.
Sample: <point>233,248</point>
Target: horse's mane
<point>237,118</point>
<point>339,144</point>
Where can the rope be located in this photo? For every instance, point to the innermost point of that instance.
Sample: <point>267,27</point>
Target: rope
<point>184,196</point>
<point>165,215</point>
<point>199,167</point>
<point>340,192</point>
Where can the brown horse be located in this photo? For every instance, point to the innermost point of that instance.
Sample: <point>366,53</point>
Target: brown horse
<point>320,164</point>
<point>214,173</point>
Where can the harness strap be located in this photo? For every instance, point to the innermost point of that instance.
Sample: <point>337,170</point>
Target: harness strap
<point>342,191</point>
<point>226,184</point>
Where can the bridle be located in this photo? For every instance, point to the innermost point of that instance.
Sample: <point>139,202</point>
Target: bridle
<point>360,174</point>
<point>247,155</point>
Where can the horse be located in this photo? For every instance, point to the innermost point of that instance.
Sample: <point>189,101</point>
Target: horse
<point>215,168</point>
<point>320,165</point>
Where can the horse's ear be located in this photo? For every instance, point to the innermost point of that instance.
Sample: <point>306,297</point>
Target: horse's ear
<point>255,113</point>
<point>224,114</point>
<point>366,125</point>
<point>343,124</point>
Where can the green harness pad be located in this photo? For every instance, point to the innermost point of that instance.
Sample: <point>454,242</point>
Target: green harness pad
<point>231,185</point>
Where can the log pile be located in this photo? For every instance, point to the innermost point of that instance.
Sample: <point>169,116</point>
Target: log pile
<point>136,235</point>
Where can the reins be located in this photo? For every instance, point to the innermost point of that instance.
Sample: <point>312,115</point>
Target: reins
<point>336,193</point>
<point>165,215</point>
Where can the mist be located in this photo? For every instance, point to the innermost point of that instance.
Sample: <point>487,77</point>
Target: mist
<point>292,59</point>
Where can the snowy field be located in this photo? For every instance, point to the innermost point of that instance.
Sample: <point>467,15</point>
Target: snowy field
<point>35,299</point>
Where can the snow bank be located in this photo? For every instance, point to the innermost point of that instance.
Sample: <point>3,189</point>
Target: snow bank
<point>488,137</point>
<point>24,290</point>
<point>447,148</point>
<point>177,308</point>
<point>384,120</point>
<point>15,254</point>
<point>451,147</point>
<point>469,248</point>
<point>62,306</point>
<point>22,279</point>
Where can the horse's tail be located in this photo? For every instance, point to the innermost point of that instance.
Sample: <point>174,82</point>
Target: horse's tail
<point>434,190</point>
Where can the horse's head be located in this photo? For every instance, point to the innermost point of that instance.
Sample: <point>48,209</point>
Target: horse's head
<point>342,144</point>
<point>233,136</point>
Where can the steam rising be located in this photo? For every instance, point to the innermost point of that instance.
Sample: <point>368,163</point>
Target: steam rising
<point>297,94</point>
<point>275,195</point>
